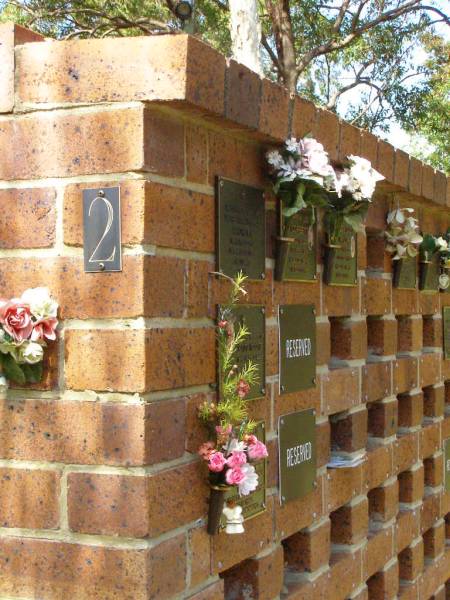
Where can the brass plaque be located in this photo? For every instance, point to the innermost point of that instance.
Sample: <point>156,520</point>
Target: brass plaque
<point>255,503</point>
<point>341,262</point>
<point>446,332</point>
<point>447,464</point>
<point>297,248</point>
<point>429,275</point>
<point>297,347</point>
<point>405,273</point>
<point>254,346</point>
<point>241,229</point>
<point>101,228</point>
<point>297,454</point>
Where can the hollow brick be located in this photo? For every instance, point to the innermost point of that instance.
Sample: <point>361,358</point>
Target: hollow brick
<point>349,431</point>
<point>411,561</point>
<point>434,401</point>
<point>385,583</point>
<point>376,381</point>
<point>382,421</point>
<point>410,410</point>
<point>349,524</point>
<point>383,502</point>
<point>410,334</point>
<point>434,470</point>
<point>434,541</point>
<point>348,339</point>
<point>411,485</point>
<point>376,297</point>
<point>308,549</point>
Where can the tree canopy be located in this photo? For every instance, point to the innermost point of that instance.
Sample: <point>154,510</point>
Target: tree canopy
<point>374,62</point>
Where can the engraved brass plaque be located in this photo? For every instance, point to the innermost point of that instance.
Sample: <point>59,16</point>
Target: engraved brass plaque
<point>297,347</point>
<point>254,346</point>
<point>341,261</point>
<point>446,332</point>
<point>241,229</point>
<point>405,273</point>
<point>101,228</point>
<point>429,275</point>
<point>447,464</point>
<point>297,454</point>
<point>255,503</point>
<point>297,248</point>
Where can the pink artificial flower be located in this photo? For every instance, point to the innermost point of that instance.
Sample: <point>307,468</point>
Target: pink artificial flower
<point>237,459</point>
<point>15,317</point>
<point>223,430</point>
<point>205,450</point>
<point>257,451</point>
<point>216,462</point>
<point>234,476</point>
<point>44,329</point>
<point>242,388</point>
<point>251,439</point>
<point>222,324</point>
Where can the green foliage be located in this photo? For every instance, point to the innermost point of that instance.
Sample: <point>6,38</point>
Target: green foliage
<point>20,373</point>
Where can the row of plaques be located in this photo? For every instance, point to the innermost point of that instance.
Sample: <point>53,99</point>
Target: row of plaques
<point>407,275</point>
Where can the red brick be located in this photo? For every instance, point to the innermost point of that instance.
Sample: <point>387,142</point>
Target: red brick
<point>378,466</point>
<point>378,551</point>
<point>407,528</point>
<point>411,485</point>
<point>440,188</point>
<point>308,549</point>
<point>196,154</point>
<point>11,35</point>
<point>340,390</point>
<point>415,176</point>
<point>260,578</point>
<point>214,591</point>
<point>383,502</point>
<point>286,403</point>
<point>430,367</point>
<point>72,432</point>
<point>377,257</point>
<point>384,584</point>
<point>369,146</point>
<point>343,485</point>
<point>382,336</point>
<point>349,431</point>
<point>432,332</point>
<point>242,95</point>
<point>91,572</point>
<point>376,215</point>
<point>410,334</point>
<point>29,498</point>
<point>163,144</point>
<point>340,301</point>
<point>405,302</point>
<point>327,126</point>
<point>104,141</point>
<point>410,409</point>
<point>304,118</point>
<point>273,120</point>
<point>350,140</point>
<point>166,429</point>
<point>200,550</point>
<point>22,206</point>
<point>349,524</point>
<point>348,339</point>
<point>382,420</point>
<point>345,574</point>
<point>323,343</point>
<point>411,561</point>
<point>430,511</point>
<point>385,162</point>
<point>430,439</point>
<point>406,451</point>
<point>427,182</point>
<point>376,381</point>
<point>434,470</point>
<point>401,168</point>
<point>376,296</point>
<point>405,374</point>
<point>434,400</point>
<point>299,513</point>
<point>322,443</point>
<point>434,540</point>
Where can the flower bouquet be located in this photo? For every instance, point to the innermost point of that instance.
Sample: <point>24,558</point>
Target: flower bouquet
<point>26,324</point>
<point>232,447</point>
<point>444,278</point>
<point>432,252</point>
<point>403,239</point>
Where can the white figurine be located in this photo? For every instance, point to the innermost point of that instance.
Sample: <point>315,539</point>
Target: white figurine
<point>233,515</point>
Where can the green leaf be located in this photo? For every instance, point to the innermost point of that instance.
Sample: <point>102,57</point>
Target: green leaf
<point>12,370</point>
<point>33,373</point>
<point>289,211</point>
<point>355,221</point>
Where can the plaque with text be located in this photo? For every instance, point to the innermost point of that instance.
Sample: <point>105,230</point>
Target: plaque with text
<point>341,259</point>
<point>255,503</point>
<point>102,230</point>
<point>297,347</point>
<point>405,273</point>
<point>446,332</point>
<point>297,248</point>
<point>241,229</point>
<point>253,348</point>
<point>297,454</point>
<point>429,274</point>
<point>447,464</point>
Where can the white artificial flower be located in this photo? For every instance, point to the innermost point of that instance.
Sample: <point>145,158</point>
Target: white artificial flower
<point>30,352</point>
<point>42,306</point>
<point>443,245</point>
<point>3,384</point>
<point>275,159</point>
<point>234,446</point>
<point>250,482</point>
<point>2,335</point>
<point>364,176</point>
<point>292,145</point>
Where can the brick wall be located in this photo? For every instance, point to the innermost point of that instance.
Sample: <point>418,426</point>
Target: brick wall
<point>102,496</point>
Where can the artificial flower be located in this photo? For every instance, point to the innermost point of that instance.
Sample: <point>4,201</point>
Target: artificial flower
<point>205,450</point>
<point>235,476</point>
<point>249,482</point>
<point>45,329</point>
<point>15,317</point>
<point>257,451</point>
<point>243,388</point>
<point>216,462</point>
<point>237,459</point>
<point>30,352</point>
<point>3,384</point>
<point>235,446</point>
<point>42,306</point>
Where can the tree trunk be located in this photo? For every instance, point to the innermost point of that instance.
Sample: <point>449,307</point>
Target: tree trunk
<point>246,33</point>
<point>284,40</point>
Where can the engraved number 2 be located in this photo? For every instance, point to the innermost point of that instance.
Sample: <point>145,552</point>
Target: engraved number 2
<point>109,222</point>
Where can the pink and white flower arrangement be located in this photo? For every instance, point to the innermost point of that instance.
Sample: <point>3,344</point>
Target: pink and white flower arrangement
<point>26,325</point>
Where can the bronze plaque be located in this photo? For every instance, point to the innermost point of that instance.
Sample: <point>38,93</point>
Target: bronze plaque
<point>298,258</point>
<point>241,229</point>
<point>446,332</point>
<point>297,347</point>
<point>101,228</point>
<point>254,346</point>
<point>429,275</point>
<point>255,503</point>
<point>447,464</point>
<point>297,454</point>
<point>341,261</point>
<point>405,273</point>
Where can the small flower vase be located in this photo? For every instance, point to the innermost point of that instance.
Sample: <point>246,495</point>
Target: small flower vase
<point>283,246</point>
<point>216,504</point>
<point>234,517</point>
<point>429,274</point>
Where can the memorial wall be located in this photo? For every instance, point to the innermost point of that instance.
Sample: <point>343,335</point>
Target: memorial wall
<point>134,182</point>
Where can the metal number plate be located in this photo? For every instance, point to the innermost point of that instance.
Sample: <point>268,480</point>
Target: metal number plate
<point>102,231</point>
<point>297,454</point>
<point>429,275</point>
<point>405,273</point>
<point>341,263</point>
<point>241,229</point>
<point>300,262</point>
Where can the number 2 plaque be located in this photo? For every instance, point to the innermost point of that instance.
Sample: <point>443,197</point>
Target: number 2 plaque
<point>101,227</point>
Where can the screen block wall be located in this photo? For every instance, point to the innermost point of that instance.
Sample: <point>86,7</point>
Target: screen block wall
<point>102,495</point>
